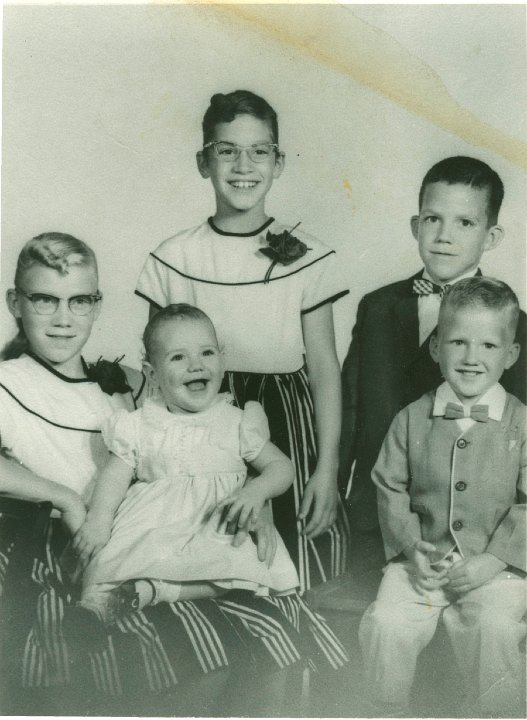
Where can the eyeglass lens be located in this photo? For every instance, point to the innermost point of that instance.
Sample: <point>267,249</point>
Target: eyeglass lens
<point>230,153</point>
<point>48,304</point>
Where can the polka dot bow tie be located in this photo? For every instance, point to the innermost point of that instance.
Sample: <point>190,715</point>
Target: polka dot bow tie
<point>453,411</point>
<point>422,286</point>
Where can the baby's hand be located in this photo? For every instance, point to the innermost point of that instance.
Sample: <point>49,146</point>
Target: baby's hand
<point>245,505</point>
<point>469,574</point>
<point>91,537</point>
<point>425,578</point>
<point>265,533</point>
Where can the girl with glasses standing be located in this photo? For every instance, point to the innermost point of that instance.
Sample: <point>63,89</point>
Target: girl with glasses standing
<point>269,289</point>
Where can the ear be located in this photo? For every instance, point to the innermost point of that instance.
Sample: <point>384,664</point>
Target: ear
<point>12,303</point>
<point>495,235</point>
<point>434,347</point>
<point>414,225</point>
<point>203,165</point>
<point>512,355</point>
<point>279,164</point>
<point>150,374</point>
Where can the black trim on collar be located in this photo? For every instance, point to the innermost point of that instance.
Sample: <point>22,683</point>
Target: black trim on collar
<point>50,422</point>
<point>236,234</point>
<point>135,398</point>
<point>148,300</point>
<point>56,372</point>
<point>250,282</point>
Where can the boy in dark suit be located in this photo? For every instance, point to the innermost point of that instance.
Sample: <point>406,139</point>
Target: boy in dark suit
<point>388,363</point>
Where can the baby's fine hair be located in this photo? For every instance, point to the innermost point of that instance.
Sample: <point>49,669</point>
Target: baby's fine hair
<point>482,292</point>
<point>55,250</point>
<point>468,171</point>
<point>224,108</point>
<point>176,311</point>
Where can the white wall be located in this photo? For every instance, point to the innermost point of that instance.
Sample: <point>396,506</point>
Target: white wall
<point>101,120</point>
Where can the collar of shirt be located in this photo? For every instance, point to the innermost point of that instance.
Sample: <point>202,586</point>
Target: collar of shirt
<point>495,398</point>
<point>428,306</point>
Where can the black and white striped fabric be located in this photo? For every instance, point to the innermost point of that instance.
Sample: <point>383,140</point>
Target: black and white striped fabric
<point>168,644</point>
<point>288,404</point>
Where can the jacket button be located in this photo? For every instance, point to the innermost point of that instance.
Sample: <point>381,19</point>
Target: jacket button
<point>462,443</point>
<point>457,525</point>
<point>461,485</point>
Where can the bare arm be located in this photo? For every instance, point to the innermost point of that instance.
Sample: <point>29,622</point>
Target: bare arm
<point>110,489</point>
<point>320,495</point>
<point>17,481</point>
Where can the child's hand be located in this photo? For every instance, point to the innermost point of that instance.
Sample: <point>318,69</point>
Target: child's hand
<point>320,496</point>
<point>245,505</point>
<point>91,537</point>
<point>425,578</point>
<point>265,532</point>
<point>469,574</point>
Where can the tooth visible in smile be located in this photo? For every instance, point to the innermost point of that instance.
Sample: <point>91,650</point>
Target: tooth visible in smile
<point>244,184</point>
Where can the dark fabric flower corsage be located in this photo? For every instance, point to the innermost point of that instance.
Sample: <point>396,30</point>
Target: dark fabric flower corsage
<point>283,248</point>
<point>110,376</point>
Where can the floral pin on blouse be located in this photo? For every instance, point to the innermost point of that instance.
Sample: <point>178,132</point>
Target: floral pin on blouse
<point>110,376</point>
<point>283,248</point>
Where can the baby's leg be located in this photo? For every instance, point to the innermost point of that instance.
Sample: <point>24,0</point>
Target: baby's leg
<point>486,628</point>
<point>393,631</point>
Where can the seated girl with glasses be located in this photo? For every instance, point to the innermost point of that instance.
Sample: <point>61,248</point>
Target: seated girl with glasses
<point>268,287</point>
<point>53,405</point>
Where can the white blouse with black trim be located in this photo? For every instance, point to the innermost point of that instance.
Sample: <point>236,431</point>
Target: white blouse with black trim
<point>257,322</point>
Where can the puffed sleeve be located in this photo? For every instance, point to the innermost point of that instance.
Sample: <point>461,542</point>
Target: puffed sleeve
<point>254,431</point>
<point>322,281</point>
<point>120,434</point>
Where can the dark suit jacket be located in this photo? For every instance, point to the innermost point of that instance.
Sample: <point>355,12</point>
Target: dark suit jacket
<point>385,370</point>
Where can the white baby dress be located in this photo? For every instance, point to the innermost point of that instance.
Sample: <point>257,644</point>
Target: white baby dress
<point>167,527</point>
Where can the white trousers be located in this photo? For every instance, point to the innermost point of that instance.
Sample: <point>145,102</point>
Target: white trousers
<point>484,625</point>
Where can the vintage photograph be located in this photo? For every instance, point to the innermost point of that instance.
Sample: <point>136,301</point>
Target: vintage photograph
<point>263,360</point>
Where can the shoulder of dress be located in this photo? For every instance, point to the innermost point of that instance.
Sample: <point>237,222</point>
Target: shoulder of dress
<point>16,372</point>
<point>180,240</point>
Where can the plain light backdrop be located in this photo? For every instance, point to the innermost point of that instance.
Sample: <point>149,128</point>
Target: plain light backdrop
<point>102,111</point>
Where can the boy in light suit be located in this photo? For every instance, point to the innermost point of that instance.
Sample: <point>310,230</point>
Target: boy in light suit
<point>388,364</point>
<point>451,484</point>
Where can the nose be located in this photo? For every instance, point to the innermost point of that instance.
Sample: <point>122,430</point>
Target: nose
<point>195,363</point>
<point>243,163</point>
<point>444,233</point>
<point>471,354</point>
<point>62,315</point>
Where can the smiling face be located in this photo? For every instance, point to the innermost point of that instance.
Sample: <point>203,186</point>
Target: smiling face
<point>241,185</point>
<point>58,338</point>
<point>452,230</point>
<point>186,364</point>
<point>473,347</point>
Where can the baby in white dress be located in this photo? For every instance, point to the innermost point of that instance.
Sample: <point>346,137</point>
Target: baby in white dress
<point>166,537</point>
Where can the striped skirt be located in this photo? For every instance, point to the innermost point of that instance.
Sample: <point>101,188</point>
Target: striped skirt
<point>161,646</point>
<point>288,404</point>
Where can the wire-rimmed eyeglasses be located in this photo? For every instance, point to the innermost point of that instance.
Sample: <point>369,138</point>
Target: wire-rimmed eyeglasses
<point>230,152</point>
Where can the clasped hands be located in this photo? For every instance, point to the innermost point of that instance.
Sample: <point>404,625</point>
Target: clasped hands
<point>458,577</point>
